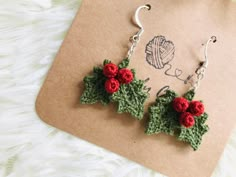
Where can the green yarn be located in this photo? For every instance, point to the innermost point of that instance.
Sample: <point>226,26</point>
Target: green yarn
<point>94,88</point>
<point>193,135</point>
<point>106,61</point>
<point>162,116</point>
<point>124,63</point>
<point>130,97</point>
<point>164,119</point>
<point>189,95</point>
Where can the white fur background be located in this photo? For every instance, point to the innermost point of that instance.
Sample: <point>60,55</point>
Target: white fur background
<point>31,32</point>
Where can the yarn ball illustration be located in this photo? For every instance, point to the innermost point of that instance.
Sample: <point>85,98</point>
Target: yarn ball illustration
<point>159,52</point>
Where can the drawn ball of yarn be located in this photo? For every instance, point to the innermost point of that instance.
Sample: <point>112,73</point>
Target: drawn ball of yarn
<point>159,52</point>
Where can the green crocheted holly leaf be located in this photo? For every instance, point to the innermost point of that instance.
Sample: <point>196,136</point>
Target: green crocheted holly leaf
<point>189,95</point>
<point>193,135</point>
<point>124,63</point>
<point>106,61</point>
<point>131,98</point>
<point>162,117</point>
<point>94,88</point>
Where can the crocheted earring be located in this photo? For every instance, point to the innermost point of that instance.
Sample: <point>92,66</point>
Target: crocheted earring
<point>181,116</point>
<point>117,83</point>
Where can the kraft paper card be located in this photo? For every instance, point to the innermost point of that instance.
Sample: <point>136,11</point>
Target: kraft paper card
<point>101,30</point>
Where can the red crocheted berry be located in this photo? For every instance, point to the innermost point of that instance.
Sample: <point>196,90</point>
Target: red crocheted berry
<point>110,70</point>
<point>196,108</point>
<point>112,85</point>
<point>125,76</point>
<point>186,119</point>
<point>180,104</point>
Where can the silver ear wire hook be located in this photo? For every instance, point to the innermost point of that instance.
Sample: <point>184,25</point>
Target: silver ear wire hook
<point>200,71</point>
<point>212,39</point>
<point>137,21</point>
<point>135,38</point>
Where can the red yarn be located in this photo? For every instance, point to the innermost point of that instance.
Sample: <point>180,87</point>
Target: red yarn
<point>196,108</point>
<point>125,76</point>
<point>186,119</point>
<point>112,85</point>
<point>110,70</point>
<point>180,104</point>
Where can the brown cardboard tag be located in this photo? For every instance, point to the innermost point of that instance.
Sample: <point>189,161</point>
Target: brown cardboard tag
<point>101,31</point>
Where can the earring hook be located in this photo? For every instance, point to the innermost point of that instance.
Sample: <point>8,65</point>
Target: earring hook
<point>212,39</point>
<point>200,71</point>
<point>137,20</point>
<point>135,38</point>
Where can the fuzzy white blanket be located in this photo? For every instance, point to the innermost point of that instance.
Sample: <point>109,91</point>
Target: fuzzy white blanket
<point>31,32</point>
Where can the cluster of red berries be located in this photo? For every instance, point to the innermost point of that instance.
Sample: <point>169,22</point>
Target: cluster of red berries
<point>115,77</point>
<point>187,110</point>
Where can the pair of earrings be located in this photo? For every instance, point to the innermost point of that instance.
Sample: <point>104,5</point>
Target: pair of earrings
<point>179,116</point>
